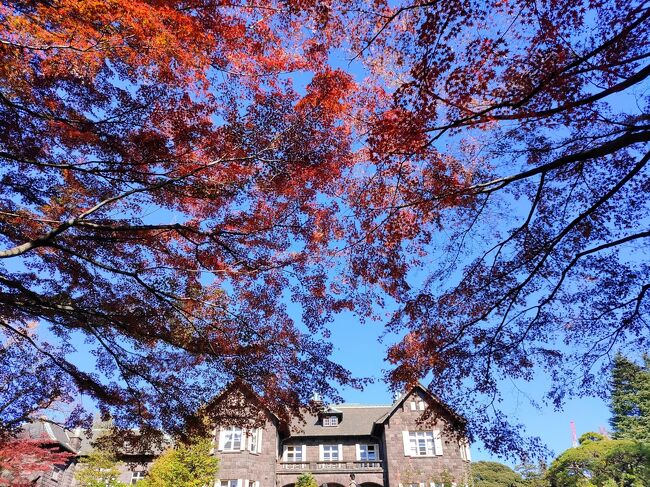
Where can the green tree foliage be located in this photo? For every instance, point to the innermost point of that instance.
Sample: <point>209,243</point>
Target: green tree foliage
<point>98,469</point>
<point>599,461</point>
<point>189,465</point>
<point>534,474</point>
<point>630,401</point>
<point>306,480</point>
<point>494,474</point>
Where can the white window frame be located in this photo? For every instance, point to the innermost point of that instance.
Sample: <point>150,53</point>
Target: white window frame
<point>137,475</point>
<point>421,444</point>
<point>254,440</point>
<point>413,443</point>
<point>330,420</point>
<point>364,446</point>
<point>465,453</point>
<point>230,435</point>
<point>327,453</point>
<point>418,404</point>
<point>295,449</point>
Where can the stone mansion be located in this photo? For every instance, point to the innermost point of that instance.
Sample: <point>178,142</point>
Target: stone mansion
<point>342,446</point>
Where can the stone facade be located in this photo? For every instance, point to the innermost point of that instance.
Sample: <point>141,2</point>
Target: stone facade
<point>248,466</point>
<point>343,446</point>
<point>447,466</point>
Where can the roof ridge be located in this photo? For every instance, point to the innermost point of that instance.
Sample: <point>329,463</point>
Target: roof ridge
<point>359,405</point>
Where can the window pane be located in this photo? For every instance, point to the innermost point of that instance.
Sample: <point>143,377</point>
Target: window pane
<point>254,440</point>
<point>372,454</point>
<point>227,445</point>
<point>236,442</point>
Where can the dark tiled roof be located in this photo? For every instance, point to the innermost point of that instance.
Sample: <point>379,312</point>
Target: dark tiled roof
<point>42,428</point>
<point>356,421</point>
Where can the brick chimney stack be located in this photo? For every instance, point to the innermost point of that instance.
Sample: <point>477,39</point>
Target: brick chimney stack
<point>75,439</point>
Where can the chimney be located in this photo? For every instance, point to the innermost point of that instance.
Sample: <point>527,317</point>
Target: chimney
<point>75,439</point>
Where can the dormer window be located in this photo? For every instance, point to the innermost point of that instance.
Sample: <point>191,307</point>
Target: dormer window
<point>330,420</point>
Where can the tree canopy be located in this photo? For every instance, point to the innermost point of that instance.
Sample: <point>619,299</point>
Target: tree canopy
<point>495,474</point>
<point>98,469</point>
<point>175,173</point>
<point>306,480</point>
<point>630,399</point>
<point>185,465</point>
<point>599,461</point>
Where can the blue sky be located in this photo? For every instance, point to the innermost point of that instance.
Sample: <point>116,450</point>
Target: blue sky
<point>358,349</point>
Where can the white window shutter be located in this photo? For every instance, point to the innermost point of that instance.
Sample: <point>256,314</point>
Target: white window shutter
<point>407,443</point>
<point>222,438</point>
<point>213,444</point>
<point>340,452</point>
<point>321,454</point>
<point>468,453</point>
<point>304,453</point>
<point>239,483</point>
<point>217,483</point>
<point>437,442</point>
<point>377,457</point>
<point>413,406</point>
<point>284,454</point>
<point>244,440</point>
<point>245,482</point>
<point>259,440</point>
<point>421,484</point>
<point>358,450</point>
<point>422,405</point>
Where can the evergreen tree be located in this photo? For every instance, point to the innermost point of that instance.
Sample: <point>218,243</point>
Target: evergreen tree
<point>630,399</point>
<point>306,480</point>
<point>535,475</point>
<point>495,474</point>
<point>183,466</point>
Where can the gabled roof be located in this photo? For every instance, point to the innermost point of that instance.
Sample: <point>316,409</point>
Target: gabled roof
<point>242,387</point>
<point>357,420</point>
<point>432,397</point>
<point>362,420</point>
<point>49,431</point>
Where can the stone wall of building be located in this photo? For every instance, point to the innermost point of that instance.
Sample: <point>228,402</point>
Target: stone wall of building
<point>325,473</point>
<point>404,470</point>
<point>349,446</point>
<point>245,465</point>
